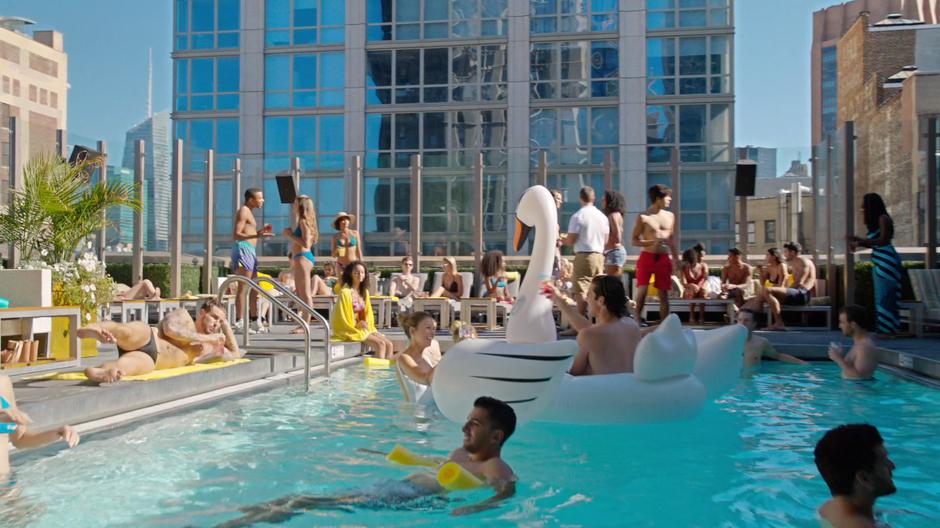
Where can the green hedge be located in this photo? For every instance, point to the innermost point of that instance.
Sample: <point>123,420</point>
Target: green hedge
<point>159,275</point>
<point>865,287</point>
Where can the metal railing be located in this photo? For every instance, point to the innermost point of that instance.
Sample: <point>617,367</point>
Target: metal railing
<point>233,279</point>
<point>309,310</point>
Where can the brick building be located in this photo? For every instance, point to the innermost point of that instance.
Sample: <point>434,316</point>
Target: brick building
<point>888,84</point>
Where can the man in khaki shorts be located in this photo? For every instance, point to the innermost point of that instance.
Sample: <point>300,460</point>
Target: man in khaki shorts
<point>587,232</point>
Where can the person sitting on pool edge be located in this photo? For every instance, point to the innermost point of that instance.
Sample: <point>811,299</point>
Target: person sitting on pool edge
<point>853,461</point>
<point>490,423</point>
<point>176,342</point>
<point>757,347</point>
<point>608,345</point>
<point>862,360</point>
<point>14,425</point>
<point>353,320</point>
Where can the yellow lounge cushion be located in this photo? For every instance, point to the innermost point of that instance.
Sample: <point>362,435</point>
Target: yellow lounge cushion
<point>155,375</point>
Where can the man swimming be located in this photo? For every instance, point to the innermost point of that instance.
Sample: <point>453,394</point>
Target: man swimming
<point>862,360</point>
<point>757,347</point>
<point>490,423</point>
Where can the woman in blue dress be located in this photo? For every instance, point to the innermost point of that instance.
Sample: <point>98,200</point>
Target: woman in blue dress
<point>888,271</point>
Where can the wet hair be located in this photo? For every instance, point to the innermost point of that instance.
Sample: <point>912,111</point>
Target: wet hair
<point>844,451</point>
<point>855,314</point>
<point>874,209</point>
<point>347,277</point>
<point>461,330</point>
<point>735,251</point>
<point>209,304</point>
<point>614,202</point>
<point>491,263</point>
<point>775,253</point>
<point>586,193</point>
<point>251,192</point>
<point>794,246</point>
<point>690,256</point>
<point>611,289</point>
<point>501,415</point>
<point>658,191</point>
<point>412,320</point>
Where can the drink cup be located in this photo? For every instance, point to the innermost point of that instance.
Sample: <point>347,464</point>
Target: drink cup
<point>268,228</point>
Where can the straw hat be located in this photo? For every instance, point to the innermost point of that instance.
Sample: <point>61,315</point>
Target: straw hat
<point>340,216</point>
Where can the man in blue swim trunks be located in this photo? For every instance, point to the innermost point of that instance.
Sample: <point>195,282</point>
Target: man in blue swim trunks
<point>244,252</point>
<point>489,425</point>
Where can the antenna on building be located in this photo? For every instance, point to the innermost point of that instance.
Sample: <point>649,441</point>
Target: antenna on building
<point>149,82</point>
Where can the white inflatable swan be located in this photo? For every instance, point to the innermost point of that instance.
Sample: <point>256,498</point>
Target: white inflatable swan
<point>675,370</point>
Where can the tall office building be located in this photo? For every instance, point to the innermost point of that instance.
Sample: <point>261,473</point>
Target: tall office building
<point>120,219</point>
<point>326,80</point>
<point>158,191</point>
<point>829,25</point>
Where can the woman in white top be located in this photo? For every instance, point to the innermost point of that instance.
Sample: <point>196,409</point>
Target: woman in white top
<point>418,360</point>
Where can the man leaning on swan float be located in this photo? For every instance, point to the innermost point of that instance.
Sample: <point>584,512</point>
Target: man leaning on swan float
<point>675,370</point>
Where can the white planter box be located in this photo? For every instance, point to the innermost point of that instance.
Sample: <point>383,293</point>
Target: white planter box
<point>26,288</point>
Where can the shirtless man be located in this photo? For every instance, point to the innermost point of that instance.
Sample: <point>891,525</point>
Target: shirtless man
<point>736,277</point>
<point>608,345</point>
<point>757,347</point>
<point>862,360</point>
<point>653,233</point>
<point>803,272</point>
<point>489,425</point>
<point>853,461</point>
<point>176,342</point>
<point>615,255</point>
<point>245,252</point>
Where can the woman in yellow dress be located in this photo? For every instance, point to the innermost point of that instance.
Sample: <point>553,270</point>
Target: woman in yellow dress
<point>352,317</point>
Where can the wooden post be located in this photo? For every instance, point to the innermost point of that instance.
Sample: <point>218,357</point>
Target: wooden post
<point>478,216</point>
<point>848,192</point>
<point>103,178</point>
<point>137,266</point>
<point>608,171</point>
<point>676,183</point>
<point>176,222</point>
<point>933,157</point>
<point>416,210</point>
<point>237,185</point>
<point>209,231</point>
<point>542,176</point>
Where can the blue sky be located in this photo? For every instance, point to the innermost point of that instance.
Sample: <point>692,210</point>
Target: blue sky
<point>107,43</point>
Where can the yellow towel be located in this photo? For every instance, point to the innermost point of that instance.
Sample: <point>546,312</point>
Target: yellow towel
<point>155,375</point>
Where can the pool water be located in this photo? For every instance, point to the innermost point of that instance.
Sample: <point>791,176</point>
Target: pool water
<point>745,461</point>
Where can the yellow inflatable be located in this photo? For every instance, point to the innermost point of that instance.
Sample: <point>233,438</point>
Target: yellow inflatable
<point>265,285</point>
<point>401,455</point>
<point>374,362</point>
<point>452,476</point>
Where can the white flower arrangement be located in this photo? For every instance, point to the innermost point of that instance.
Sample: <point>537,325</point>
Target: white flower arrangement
<point>83,283</point>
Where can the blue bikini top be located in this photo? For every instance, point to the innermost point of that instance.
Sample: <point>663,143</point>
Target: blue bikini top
<point>5,427</point>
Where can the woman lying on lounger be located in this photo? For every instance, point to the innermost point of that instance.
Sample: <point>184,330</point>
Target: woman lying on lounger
<point>143,290</point>
<point>176,342</point>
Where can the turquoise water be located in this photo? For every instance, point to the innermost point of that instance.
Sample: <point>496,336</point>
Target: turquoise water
<point>746,461</point>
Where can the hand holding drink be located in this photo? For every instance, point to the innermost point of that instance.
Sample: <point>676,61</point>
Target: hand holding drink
<point>267,230</point>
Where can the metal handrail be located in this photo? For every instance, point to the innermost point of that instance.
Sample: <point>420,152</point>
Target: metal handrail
<point>277,302</point>
<point>306,308</point>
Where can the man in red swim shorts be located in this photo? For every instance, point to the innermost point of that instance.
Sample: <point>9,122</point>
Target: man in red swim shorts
<point>653,233</point>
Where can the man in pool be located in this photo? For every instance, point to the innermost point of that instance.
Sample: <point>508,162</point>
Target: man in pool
<point>608,345</point>
<point>757,347</point>
<point>862,360</point>
<point>490,423</point>
<point>853,461</point>
<point>176,342</point>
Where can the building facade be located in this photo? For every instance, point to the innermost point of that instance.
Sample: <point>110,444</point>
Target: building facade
<point>34,92</point>
<point>267,81</point>
<point>155,132</point>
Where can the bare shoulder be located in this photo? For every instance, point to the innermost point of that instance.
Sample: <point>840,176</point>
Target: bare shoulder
<point>497,468</point>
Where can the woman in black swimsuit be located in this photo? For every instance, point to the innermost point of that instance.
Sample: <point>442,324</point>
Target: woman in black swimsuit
<point>451,282</point>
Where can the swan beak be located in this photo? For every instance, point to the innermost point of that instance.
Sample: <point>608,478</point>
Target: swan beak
<point>522,233</point>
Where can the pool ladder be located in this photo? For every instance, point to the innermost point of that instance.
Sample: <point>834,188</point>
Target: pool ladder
<point>276,301</point>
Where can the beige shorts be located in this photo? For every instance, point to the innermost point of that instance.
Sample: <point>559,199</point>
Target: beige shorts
<point>586,267</point>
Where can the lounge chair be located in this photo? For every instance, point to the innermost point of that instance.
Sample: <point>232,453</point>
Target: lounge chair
<point>925,311</point>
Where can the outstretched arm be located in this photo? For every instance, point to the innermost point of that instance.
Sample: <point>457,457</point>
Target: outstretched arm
<point>23,437</point>
<point>578,321</point>
<point>501,478</point>
<point>771,352</point>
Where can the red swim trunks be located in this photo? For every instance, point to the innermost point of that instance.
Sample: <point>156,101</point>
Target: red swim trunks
<point>658,264</point>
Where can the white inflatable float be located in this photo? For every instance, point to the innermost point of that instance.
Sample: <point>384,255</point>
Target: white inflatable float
<point>675,370</point>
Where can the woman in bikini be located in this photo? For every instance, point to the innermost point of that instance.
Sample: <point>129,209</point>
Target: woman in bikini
<point>694,273</point>
<point>451,282</point>
<point>346,246</point>
<point>352,317</point>
<point>493,270</point>
<point>772,274</point>
<point>304,236</point>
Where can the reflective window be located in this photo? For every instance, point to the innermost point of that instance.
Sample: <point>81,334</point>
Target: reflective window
<point>705,207</point>
<point>435,19</point>
<point>703,65</point>
<point>206,24</point>
<point>662,14</point>
<point>317,139</point>
<point>581,69</point>
<point>304,22</point>
<point>566,16</point>
<point>204,84</point>
<point>703,132</point>
<point>306,80</point>
<point>436,75</point>
<point>830,89</point>
<point>574,135</point>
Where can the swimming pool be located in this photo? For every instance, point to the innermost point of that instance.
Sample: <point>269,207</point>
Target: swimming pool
<point>746,461</point>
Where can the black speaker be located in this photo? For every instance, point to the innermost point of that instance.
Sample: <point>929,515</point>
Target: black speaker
<point>82,154</point>
<point>285,188</point>
<point>744,178</point>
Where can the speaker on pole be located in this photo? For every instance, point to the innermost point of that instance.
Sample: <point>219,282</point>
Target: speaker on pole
<point>285,188</point>
<point>745,178</point>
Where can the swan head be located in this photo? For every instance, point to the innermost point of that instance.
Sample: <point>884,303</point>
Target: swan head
<point>536,209</point>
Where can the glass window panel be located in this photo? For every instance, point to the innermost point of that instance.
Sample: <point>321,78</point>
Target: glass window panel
<point>543,7</point>
<point>379,68</point>
<point>333,12</point>
<point>305,71</point>
<point>692,123</point>
<point>542,128</point>
<point>182,104</point>
<point>202,73</point>
<point>182,76</point>
<point>435,95</point>
<point>203,12</point>
<point>605,128</point>
<point>228,40</point>
<point>229,11</point>
<point>719,17</point>
<point>691,3</point>
<point>305,13</point>
<point>693,85</point>
<point>408,10</point>
<point>277,38</point>
<point>719,193</point>
<point>719,55</point>
<point>600,6</point>
<point>604,62</point>
<point>694,221</point>
<point>660,20</point>
<point>276,134</point>
<point>464,64</point>
<point>493,8</point>
<point>332,71</point>
<point>694,192</point>
<point>277,13</point>
<point>201,132</point>
<point>406,131</point>
<point>575,60</point>
<point>719,127</point>
<point>692,57</point>
<point>277,100</point>
<point>436,10</point>
<point>331,98</point>
<point>182,16</point>
<point>692,154</point>
<point>378,11</point>
<point>543,62</point>
<point>305,134</point>
<point>543,24</point>
<point>408,31</point>
<point>692,18</point>
<point>660,4</point>
<point>332,35</point>
<point>227,102</point>
<point>408,67</point>
<point>435,66</point>
<point>436,31</point>
<point>334,139</point>
<point>660,124</point>
<point>277,72</point>
<point>228,74</point>
<point>204,41</point>
<point>407,95</point>
<point>305,36</point>
<point>435,130</point>
<point>378,131</point>
<point>227,136</point>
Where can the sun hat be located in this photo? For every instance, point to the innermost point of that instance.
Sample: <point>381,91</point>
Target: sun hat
<point>340,216</point>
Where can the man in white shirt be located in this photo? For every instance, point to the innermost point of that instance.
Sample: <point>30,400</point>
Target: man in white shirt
<point>587,232</point>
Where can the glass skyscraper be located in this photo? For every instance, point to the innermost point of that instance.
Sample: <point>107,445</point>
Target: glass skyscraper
<point>155,131</point>
<point>325,80</point>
